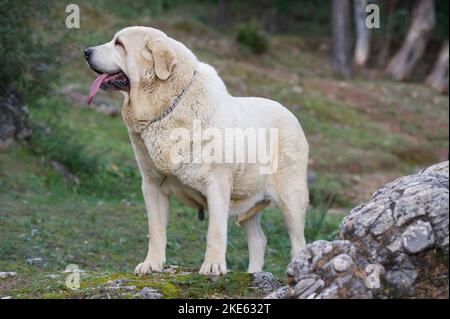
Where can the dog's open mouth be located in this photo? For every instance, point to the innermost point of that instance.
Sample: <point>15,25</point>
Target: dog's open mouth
<point>109,82</point>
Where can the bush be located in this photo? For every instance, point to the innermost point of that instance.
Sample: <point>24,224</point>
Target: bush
<point>96,170</point>
<point>60,144</point>
<point>28,59</point>
<point>251,35</point>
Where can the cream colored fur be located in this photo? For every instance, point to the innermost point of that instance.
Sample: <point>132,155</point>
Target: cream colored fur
<point>159,68</point>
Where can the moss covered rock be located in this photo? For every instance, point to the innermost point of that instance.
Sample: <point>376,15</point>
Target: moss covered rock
<point>173,282</point>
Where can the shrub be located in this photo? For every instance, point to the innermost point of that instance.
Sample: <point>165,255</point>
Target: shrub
<point>96,170</point>
<point>28,59</point>
<point>251,35</point>
<point>60,144</point>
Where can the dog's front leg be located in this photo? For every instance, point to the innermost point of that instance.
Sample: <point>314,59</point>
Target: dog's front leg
<point>157,205</point>
<point>218,196</point>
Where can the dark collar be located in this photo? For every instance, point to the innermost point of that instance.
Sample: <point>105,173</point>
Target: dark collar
<point>174,102</point>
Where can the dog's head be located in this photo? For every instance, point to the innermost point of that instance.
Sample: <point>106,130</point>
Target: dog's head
<point>135,58</point>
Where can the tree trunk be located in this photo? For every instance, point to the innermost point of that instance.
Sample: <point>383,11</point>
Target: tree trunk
<point>341,39</point>
<point>438,78</point>
<point>402,64</point>
<point>385,50</point>
<point>272,21</point>
<point>362,47</point>
<point>222,17</point>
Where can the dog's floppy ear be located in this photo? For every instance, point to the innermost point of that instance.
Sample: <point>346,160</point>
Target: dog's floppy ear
<point>164,57</point>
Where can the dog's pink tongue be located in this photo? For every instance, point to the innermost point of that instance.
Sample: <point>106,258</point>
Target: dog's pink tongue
<point>95,87</point>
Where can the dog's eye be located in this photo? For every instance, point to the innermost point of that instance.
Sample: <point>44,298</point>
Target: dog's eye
<point>118,43</point>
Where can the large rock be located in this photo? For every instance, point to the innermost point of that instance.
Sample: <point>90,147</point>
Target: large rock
<point>394,246</point>
<point>13,118</point>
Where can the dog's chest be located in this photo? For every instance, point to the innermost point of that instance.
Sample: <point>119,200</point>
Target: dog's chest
<point>158,148</point>
<point>131,119</point>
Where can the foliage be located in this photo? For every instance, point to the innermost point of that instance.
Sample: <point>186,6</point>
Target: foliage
<point>60,144</point>
<point>316,226</point>
<point>28,60</point>
<point>129,9</point>
<point>54,140</point>
<point>442,8</point>
<point>251,35</point>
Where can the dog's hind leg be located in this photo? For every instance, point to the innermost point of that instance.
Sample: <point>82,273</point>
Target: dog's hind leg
<point>294,211</point>
<point>293,201</point>
<point>257,242</point>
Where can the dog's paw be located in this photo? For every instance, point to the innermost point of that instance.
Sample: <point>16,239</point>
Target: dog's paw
<point>148,267</point>
<point>210,268</point>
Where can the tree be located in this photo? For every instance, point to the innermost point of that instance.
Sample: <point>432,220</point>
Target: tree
<point>362,47</point>
<point>387,36</point>
<point>272,20</point>
<point>402,63</point>
<point>341,38</point>
<point>438,78</point>
<point>222,17</point>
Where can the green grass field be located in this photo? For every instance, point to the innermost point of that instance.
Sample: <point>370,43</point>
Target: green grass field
<point>362,134</point>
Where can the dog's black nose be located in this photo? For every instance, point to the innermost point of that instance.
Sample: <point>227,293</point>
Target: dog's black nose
<point>87,53</point>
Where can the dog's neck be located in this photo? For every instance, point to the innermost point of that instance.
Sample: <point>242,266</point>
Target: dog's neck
<point>151,100</point>
<point>174,103</point>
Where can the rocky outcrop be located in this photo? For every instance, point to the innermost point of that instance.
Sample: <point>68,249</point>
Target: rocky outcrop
<point>329,270</point>
<point>13,118</point>
<point>394,246</point>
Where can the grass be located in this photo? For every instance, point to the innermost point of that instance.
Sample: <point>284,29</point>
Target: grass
<point>43,216</point>
<point>104,232</point>
<point>361,135</point>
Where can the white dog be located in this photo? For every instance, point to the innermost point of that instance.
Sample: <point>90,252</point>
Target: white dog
<point>166,88</point>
